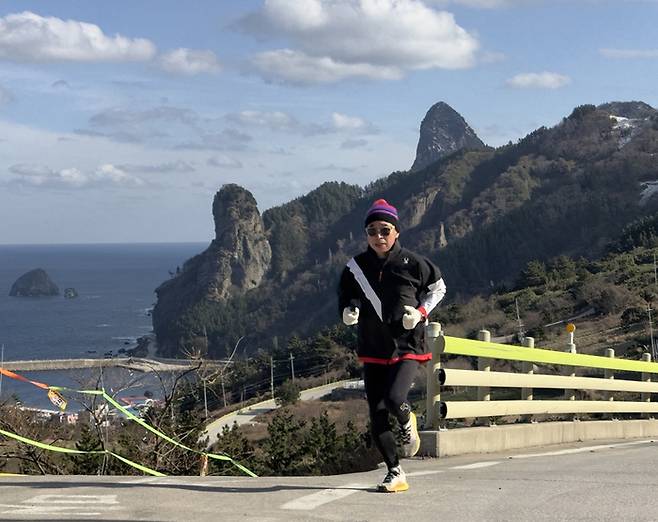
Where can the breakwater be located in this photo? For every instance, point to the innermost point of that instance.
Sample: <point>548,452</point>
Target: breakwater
<point>131,363</point>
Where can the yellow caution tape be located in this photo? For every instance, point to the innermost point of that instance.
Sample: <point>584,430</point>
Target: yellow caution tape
<point>56,397</point>
<point>59,449</point>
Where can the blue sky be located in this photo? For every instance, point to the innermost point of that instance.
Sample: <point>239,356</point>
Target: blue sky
<point>120,120</point>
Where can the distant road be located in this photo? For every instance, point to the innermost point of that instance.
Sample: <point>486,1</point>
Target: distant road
<point>248,414</point>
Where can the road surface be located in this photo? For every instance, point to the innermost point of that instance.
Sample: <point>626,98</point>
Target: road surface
<point>603,481</point>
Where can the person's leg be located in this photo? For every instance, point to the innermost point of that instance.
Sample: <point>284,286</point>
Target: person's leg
<point>401,377</point>
<point>376,380</point>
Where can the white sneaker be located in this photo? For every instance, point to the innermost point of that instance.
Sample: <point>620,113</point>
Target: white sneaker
<point>394,481</point>
<point>409,438</point>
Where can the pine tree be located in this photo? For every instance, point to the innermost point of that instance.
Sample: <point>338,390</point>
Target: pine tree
<point>87,464</point>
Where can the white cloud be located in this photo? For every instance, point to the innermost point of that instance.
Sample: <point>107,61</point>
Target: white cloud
<point>483,4</point>
<point>178,166</point>
<point>337,39</point>
<point>543,80</point>
<point>298,68</point>
<point>629,53</point>
<point>29,37</point>
<point>283,122</point>
<point>275,120</point>
<point>189,62</point>
<point>343,121</point>
<point>224,161</point>
<point>106,175</point>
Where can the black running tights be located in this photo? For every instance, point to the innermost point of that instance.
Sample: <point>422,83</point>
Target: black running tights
<point>386,389</point>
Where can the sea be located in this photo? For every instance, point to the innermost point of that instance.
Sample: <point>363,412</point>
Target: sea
<point>116,292</point>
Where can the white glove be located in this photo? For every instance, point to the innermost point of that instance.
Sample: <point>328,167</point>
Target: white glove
<point>411,317</point>
<point>350,315</point>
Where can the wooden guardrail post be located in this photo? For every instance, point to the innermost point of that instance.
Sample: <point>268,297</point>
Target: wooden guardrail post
<point>433,332</point>
<point>609,374</point>
<point>526,393</point>
<point>484,365</point>
<point>570,394</point>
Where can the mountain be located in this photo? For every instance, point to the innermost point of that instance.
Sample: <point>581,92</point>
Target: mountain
<point>481,214</point>
<point>442,132</point>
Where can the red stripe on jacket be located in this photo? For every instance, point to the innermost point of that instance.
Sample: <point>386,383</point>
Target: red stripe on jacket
<point>405,357</point>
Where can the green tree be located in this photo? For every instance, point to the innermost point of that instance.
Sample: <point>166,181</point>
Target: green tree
<point>534,274</point>
<point>233,443</point>
<point>88,464</point>
<point>284,448</point>
<point>288,393</point>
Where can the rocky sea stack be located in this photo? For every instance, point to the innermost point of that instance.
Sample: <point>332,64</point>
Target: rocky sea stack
<point>35,283</point>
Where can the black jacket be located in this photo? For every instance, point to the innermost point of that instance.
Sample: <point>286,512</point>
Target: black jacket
<point>403,278</point>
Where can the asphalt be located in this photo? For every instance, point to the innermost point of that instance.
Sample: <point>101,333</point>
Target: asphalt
<point>611,480</point>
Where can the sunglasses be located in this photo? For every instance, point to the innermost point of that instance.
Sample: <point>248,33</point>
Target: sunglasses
<point>384,231</point>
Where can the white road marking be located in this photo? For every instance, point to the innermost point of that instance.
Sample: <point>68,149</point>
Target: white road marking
<point>580,450</point>
<point>63,505</point>
<point>422,473</point>
<point>145,480</point>
<point>477,465</point>
<point>325,496</point>
<point>74,499</point>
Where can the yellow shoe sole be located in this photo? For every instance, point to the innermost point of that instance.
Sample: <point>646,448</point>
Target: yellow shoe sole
<point>397,489</point>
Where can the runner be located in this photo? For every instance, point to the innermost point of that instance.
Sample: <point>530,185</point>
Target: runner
<point>389,292</point>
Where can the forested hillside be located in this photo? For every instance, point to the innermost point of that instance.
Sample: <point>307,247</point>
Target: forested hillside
<point>481,215</point>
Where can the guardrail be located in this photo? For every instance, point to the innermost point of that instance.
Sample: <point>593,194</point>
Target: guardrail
<point>526,380</point>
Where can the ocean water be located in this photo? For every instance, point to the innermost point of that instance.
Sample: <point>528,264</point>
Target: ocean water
<point>116,286</point>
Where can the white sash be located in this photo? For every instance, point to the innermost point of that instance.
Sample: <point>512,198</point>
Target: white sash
<point>370,294</point>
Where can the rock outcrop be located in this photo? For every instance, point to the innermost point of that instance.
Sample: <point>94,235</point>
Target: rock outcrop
<point>442,132</point>
<point>35,283</point>
<point>635,110</point>
<point>235,262</point>
<point>70,293</point>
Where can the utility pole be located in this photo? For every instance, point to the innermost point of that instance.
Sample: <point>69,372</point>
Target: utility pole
<point>205,398</point>
<point>2,363</point>
<point>272,376</point>
<point>292,366</point>
<point>221,380</point>
<point>655,272</point>
<point>518,318</point>
<point>653,345</point>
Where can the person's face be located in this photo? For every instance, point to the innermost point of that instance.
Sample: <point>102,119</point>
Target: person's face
<point>381,237</point>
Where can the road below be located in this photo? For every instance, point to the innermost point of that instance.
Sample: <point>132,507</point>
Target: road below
<point>612,480</point>
<point>248,414</point>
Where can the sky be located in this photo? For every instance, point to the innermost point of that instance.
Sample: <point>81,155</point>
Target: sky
<point>120,120</point>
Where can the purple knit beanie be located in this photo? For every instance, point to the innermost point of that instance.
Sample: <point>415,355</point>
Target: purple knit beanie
<point>381,210</point>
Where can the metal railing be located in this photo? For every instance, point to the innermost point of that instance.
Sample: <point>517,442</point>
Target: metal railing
<point>527,380</point>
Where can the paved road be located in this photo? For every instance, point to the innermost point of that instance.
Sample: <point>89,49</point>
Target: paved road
<point>246,415</point>
<point>604,481</point>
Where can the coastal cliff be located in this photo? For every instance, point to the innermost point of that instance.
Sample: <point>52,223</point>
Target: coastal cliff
<point>234,262</point>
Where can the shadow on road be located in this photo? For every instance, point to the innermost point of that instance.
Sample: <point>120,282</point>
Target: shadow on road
<point>187,487</point>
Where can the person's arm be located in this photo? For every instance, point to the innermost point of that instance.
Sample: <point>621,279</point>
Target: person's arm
<point>348,298</point>
<point>434,290</point>
<point>435,287</point>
